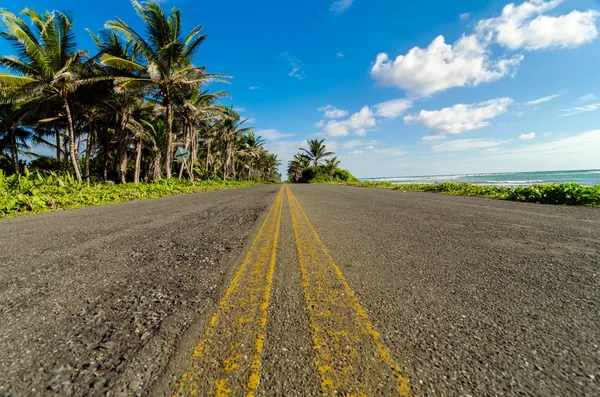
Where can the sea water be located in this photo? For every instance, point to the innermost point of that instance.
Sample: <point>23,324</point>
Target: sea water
<point>511,179</point>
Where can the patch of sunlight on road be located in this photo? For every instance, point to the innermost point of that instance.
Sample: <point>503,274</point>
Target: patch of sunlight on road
<point>349,354</point>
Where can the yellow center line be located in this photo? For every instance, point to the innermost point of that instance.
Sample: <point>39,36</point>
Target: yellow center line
<point>229,356</point>
<point>349,354</point>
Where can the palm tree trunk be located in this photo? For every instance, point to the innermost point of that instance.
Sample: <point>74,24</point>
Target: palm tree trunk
<point>105,155</point>
<point>168,162</point>
<point>187,147</point>
<point>13,150</point>
<point>88,153</point>
<point>194,153</point>
<point>208,157</point>
<point>72,143</point>
<point>156,165</point>
<point>138,160</point>
<point>123,162</point>
<point>58,144</point>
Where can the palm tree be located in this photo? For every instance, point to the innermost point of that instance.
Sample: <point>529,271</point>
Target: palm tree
<point>166,60</point>
<point>194,110</point>
<point>12,116</point>
<point>231,131</point>
<point>47,65</point>
<point>331,164</point>
<point>297,165</point>
<point>316,150</point>
<point>154,137</point>
<point>137,98</point>
<point>251,147</point>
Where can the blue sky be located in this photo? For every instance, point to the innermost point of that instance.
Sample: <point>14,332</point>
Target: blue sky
<point>401,88</point>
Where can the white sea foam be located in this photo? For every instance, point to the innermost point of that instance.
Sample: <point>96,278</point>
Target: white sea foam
<point>585,177</point>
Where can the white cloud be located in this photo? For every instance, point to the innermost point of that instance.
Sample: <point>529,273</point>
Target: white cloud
<point>386,153</point>
<point>460,117</point>
<point>588,97</point>
<point>352,143</point>
<point>358,123</point>
<point>441,66</point>
<point>575,152</point>
<point>525,27</point>
<point>339,54</point>
<point>272,134</point>
<point>432,138</point>
<point>320,123</point>
<point>465,16</point>
<point>254,87</point>
<point>467,144</point>
<point>579,109</point>
<point>468,62</point>
<point>296,65</point>
<point>377,154</point>
<point>394,108</point>
<point>340,6</point>
<point>331,112</point>
<point>542,100</point>
<point>239,109</point>
<point>531,135</point>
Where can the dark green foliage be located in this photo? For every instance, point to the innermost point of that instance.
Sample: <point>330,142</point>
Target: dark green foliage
<point>567,194</point>
<point>35,192</point>
<point>46,163</point>
<point>323,174</point>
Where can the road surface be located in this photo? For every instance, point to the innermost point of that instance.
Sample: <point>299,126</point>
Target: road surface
<point>302,290</point>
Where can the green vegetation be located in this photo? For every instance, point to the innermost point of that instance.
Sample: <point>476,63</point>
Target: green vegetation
<point>300,170</point>
<point>121,111</point>
<point>322,170</point>
<point>568,193</point>
<point>36,192</point>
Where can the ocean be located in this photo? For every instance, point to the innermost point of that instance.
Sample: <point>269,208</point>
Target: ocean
<point>510,179</point>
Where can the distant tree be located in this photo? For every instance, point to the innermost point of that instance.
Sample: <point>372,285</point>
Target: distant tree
<point>332,164</point>
<point>316,151</point>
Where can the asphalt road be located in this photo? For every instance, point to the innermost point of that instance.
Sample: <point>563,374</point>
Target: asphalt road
<point>469,296</point>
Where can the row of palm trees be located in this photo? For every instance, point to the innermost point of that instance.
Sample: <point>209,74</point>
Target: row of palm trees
<point>315,155</point>
<point>129,105</point>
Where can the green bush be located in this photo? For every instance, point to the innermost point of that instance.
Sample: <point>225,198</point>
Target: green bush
<point>567,193</point>
<point>37,191</point>
<point>322,174</point>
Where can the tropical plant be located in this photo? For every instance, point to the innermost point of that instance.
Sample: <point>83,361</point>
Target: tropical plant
<point>316,151</point>
<point>164,60</point>
<point>47,64</point>
<point>126,107</point>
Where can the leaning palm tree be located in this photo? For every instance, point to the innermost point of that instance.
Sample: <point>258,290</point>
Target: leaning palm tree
<point>316,150</point>
<point>165,60</point>
<point>47,65</point>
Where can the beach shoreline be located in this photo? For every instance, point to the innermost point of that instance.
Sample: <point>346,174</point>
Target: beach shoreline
<point>589,177</point>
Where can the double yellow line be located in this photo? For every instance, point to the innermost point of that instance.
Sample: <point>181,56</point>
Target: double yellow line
<point>349,355</point>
